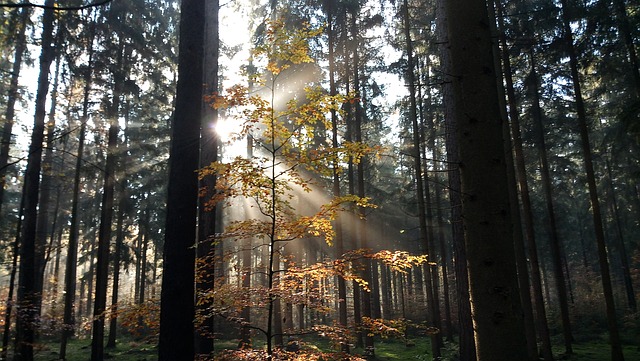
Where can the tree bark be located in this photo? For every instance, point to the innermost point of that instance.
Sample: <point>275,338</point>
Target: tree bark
<point>177,298</point>
<point>106,213</point>
<point>556,247</point>
<point>614,336</point>
<point>486,217</point>
<point>625,33</point>
<point>12,96</point>
<point>518,167</point>
<point>338,241</point>
<point>432,315</point>
<point>465,323</point>
<point>27,298</point>
<point>622,249</point>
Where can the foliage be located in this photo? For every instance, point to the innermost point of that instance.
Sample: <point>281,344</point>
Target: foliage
<point>291,157</point>
<point>141,320</point>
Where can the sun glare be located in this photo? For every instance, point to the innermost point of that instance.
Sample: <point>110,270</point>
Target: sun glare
<point>233,145</point>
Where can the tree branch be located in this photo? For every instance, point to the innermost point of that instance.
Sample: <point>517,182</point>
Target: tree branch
<point>58,8</point>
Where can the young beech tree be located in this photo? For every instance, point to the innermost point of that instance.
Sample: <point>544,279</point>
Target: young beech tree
<point>292,149</point>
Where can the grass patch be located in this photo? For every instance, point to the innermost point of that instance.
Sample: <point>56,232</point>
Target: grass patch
<point>80,350</point>
<point>386,350</point>
<point>595,351</point>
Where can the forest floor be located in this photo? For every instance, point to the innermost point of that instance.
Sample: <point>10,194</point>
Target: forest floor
<point>386,350</point>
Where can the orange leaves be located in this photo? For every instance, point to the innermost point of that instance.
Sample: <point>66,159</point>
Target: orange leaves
<point>142,319</point>
<point>286,46</point>
<point>400,261</point>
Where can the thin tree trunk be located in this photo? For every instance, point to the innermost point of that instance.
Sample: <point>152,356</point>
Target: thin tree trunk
<point>27,317</point>
<point>106,213</point>
<point>12,281</point>
<point>622,250</point>
<point>432,315</point>
<point>556,247</point>
<point>360,191</point>
<point>527,208</point>
<point>338,241</point>
<point>46,184</point>
<point>357,314</point>
<point>123,206</point>
<point>12,96</point>
<point>208,154</point>
<point>625,32</point>
<point>614,336</point>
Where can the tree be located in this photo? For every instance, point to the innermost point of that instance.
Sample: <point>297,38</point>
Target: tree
<point>433,314</point>
<point>485,201</point>
<point>12,96</point>
<point>27,317</point>
<point>527,215</point>
<point>614,337</point>
<point>450,91</point>
<point>177,306</point>
<point>72,247</point>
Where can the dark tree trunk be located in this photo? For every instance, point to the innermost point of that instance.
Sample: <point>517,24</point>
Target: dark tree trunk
<point>208,154</point>
<point>432,314</point>
<point>627,37</point>
<point>486,217</point>
<point>357,305</point>
<point>12,281</point>
<point>106,213</point>
<point>123,208</point>
<point>43,223</point>
<point>360,189</point>
<point>177,298</point>
<point>27,297</point>
<point>519,244</point>
<point>465,324</point>
<point>5,142</point>
<point>622,249</point>
<point>526,209</point>
<point>614,336</point>
<point>556,247</point>
<point>12,96</point>
<point>338,241</point>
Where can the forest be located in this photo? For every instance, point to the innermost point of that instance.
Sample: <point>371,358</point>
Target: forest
<point>320,180</point>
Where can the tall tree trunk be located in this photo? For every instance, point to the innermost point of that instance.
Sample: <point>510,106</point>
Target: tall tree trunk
<point>465,323</point>
<point>27,298</point>
<point>106,213</point>
<point>556,247</point>
<point>627,37</point>
<point>515,148</point>
<point>614,336</point>
<point>622,250</point>
<point>357,314</point>
<point>444,259</point>
<point>433,314</point>
<point>486,217</point>
<point>519,242</point>
<point>208,154</point>
<point>12,281</point>
<point>123,208</point>
<point>338,241</point>
<point>12,96</point>
<point>360,191</point>
<point>177,308</point>
<point>46,184</point>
